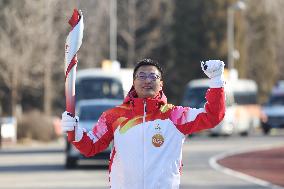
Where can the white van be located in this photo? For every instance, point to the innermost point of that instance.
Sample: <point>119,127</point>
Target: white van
<point>97,83</point>
<point>248,111</point>
<point>194,97</point>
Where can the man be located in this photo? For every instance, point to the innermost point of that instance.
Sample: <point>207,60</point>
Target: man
<point>148,133</point>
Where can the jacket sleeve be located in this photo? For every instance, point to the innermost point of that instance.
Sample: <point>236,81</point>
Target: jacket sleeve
<point>97,140</point>
<point>189,120</point>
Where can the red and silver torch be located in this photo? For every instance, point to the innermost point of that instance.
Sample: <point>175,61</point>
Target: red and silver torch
<point>72,45</point>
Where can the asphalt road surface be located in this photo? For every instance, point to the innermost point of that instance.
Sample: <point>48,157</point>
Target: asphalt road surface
<point>41,166</point>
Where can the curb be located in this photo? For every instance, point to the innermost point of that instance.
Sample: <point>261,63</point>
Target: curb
<point>213,163</point>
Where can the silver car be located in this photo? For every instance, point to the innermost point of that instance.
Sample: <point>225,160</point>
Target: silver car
<point>89,112</point>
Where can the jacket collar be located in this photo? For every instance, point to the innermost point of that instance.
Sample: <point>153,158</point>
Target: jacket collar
<point>152,104</point>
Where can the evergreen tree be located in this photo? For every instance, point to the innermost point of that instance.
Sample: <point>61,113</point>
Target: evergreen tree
<point>199,34</point>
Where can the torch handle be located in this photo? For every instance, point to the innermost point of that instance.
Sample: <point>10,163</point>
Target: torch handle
<point>70,97</point>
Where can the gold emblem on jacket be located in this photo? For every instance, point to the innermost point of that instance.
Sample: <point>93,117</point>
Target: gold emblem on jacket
<point>158,140</point>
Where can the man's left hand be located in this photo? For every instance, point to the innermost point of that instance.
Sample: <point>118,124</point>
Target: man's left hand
<point>214,69</point>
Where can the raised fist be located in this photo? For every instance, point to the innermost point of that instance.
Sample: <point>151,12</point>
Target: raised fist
<point>213,68</point>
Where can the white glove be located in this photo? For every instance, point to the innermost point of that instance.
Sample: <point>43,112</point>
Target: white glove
<point>70,123</point>
<point>214,69</point>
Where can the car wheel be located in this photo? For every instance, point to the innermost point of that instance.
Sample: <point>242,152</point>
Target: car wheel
<point>214,134</point>
<point>247,132</point>
<point>244,134</point>
<point>266,129</point>
<point>71,162</point>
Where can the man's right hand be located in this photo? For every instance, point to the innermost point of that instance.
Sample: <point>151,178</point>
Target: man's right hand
<point>68,122</point>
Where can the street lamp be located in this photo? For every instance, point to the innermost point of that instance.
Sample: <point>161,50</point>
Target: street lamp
<point>240,5</point>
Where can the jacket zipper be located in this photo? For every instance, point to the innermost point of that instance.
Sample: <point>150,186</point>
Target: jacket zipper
<point>144,116</point>
<point>144,120</point>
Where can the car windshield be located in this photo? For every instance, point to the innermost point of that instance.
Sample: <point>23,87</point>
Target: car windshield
<point>97,88</point>
<point>276,100</point>
<point>92,112</point>
<point>245,98</point>
<point>195,97</point>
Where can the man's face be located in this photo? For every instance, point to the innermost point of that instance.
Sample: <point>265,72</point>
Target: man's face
<point>147,81</point>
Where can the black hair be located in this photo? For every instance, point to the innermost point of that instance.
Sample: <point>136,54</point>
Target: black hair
<point>147,62</point>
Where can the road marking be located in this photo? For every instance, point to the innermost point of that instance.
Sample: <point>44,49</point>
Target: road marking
<point>213,163</point>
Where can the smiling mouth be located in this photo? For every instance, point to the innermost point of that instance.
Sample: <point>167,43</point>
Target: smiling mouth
<point>147,87</point>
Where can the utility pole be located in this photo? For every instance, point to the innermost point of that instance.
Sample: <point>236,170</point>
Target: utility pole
<point>240,5</point>
<point>113,30</point>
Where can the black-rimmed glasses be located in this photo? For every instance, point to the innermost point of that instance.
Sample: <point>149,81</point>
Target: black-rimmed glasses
<point>143,76</point>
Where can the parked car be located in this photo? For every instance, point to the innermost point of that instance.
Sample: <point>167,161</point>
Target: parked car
<point>273,113</point>
<point>89,112</point>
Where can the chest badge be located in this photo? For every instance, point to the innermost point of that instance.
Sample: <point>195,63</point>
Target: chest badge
<point>158,139</point>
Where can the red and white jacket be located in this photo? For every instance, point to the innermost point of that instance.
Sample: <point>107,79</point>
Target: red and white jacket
<point>147,136</point>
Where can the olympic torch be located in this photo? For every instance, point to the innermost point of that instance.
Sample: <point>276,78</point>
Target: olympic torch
<point>72,45</point>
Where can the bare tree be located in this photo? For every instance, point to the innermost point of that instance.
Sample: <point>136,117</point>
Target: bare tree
<point>276,8</point>
<point>142,28</point>
<point>261,41</point>
<point>95,47</point>
<point>32,37</point>
<point>15,51</point>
